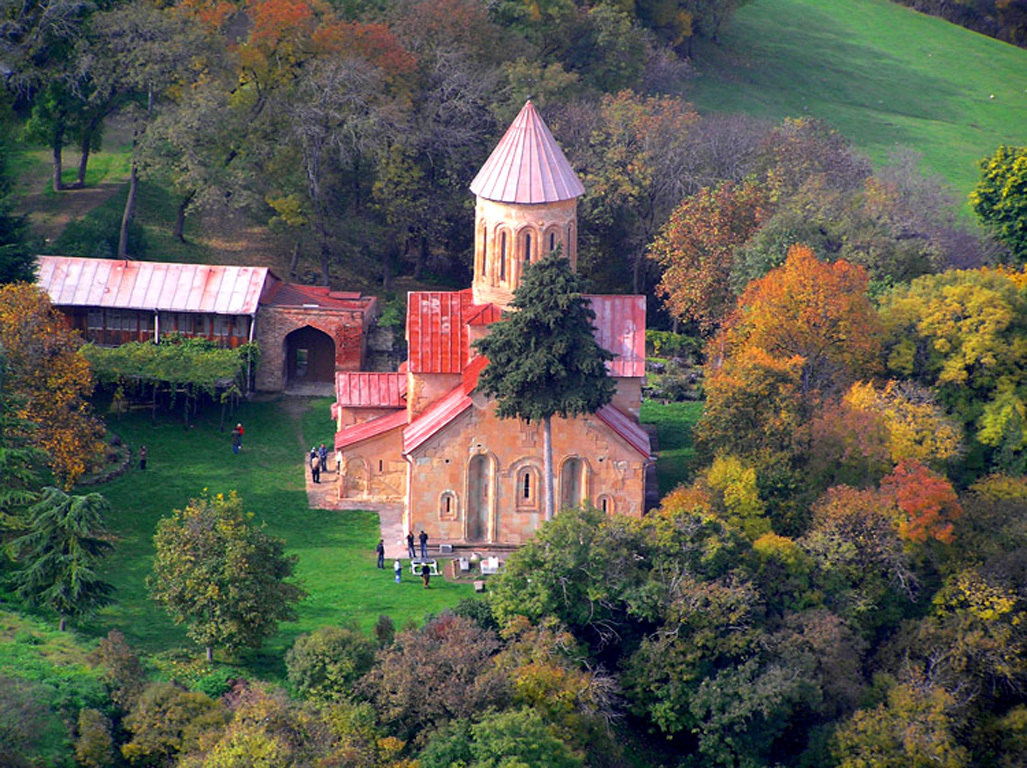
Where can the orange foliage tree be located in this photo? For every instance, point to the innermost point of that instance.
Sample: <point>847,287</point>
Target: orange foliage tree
<point>50,381</point>
<point>926,500</point>
<point>810,310</point>
<point>696,250</point>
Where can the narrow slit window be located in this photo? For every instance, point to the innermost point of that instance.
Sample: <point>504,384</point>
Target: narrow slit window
<point>502,256</point>
<point>527,247</point>
<point>380,465</point>
<point>552,241</point>
<point>526,484</point>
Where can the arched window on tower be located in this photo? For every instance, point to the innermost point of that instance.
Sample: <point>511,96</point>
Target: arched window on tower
<point>502,256</point>
<point>484,249</point>
<point>552,242</point>
<point>527,247</point>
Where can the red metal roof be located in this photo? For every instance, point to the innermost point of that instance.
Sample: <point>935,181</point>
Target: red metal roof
<point>483,314</point>
<point>280,293</point>
<point>436,331</point>
<point>369,429</point>
<point>527,166</point>
<point>150,285</point>
<point>627,428</point>
<point>620,328</point>
<point>443,411</point>
<point>371,390</point>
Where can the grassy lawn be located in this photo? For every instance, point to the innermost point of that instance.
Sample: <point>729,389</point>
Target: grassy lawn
<point>335,549</point>
<point>881,73</point>
<point>674,423</point>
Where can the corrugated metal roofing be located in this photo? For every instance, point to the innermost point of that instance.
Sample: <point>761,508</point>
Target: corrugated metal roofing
<point>627,428</point>
<point>443,411</point>
<point>371,390</point>
<point>527,166</point>
<point>620,328</point>
<point>435,418</point>
<point>283,294</point>
<point>437,335</point>
<point>369,429</point>
<point>123,284</point>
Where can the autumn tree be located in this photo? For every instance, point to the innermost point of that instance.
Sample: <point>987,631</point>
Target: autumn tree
<point>1000,198</point>
<point>221,576</point>
<point>815,312</point>
<point>962,333</point>
<point>166,721</point>
<point>926,500</point>
<point>408,692</point>
<point>915,728</point>
<point>696,250</point>
<point>543,358</point>
<point>60,555</point>
<point>49,381</point>
<point>633,166</point>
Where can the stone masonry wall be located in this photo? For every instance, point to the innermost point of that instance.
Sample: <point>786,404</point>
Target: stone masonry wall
<point>613,472</point>
<point>347,328</point>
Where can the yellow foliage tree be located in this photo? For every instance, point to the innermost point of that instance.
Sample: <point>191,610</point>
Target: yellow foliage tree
<point>49,380</point>
<point>917,427</point>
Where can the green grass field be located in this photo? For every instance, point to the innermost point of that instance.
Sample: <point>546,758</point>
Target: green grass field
<point>882,74</point>
<point>674,423</point>
<point>335,548</point>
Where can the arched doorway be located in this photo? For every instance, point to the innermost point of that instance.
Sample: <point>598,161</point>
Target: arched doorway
<point>309,356</point>
<point>479,481</point>
<point>572,483</point>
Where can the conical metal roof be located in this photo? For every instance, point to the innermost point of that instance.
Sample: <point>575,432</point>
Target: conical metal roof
<point>527,166</point>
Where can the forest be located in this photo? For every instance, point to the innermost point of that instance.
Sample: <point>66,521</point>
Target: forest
<point>841,580</point>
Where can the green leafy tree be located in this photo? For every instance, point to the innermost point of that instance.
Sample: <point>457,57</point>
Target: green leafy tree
<point>543,359</point>
<point>1000,198</point>
<point>60,553</point>
<point>325,664</point>
<point>222,576</point>
<point>17,264</point>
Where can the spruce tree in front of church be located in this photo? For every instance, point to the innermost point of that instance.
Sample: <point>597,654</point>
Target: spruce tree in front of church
<point>543,358</point>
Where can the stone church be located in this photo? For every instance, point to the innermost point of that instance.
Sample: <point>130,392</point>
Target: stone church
<point>425,438</point>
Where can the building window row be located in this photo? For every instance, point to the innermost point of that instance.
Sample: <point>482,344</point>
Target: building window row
<point>508,250</point>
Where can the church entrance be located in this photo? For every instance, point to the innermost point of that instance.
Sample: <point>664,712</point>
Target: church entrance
<point>571,483</point>
<point>479,479</point>
<point>309,357</point>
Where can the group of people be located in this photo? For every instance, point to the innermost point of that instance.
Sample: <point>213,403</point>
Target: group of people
<point>397,566</point>
<point>318,462</point>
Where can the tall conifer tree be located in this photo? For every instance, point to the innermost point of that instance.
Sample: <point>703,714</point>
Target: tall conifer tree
<point>544,360</point>
<point>65,542</point>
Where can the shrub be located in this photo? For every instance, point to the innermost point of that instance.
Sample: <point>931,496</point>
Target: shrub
<point>325,664</point>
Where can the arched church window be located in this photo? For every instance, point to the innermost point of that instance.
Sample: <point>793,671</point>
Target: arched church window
<point>527,488</point>
<point>552,241</point>
<point>527,247</point>
<point>484,249</point>
<point>606,505</point>
<point>502,256</point>
<point>447,506</point>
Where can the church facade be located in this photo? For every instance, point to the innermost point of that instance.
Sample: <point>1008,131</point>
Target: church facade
<point>425,438</point>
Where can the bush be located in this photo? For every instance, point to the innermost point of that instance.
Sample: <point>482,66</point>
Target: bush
<point>325,664</point>
<point>97,234</point>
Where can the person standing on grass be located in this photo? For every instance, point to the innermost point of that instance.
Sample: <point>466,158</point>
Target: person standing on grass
<point>410,545</point>
<point>142,457</point>
<point>397,568</point>
<point>423,538</point>
<point>425,575</point>
<point>237,438</point>
<point>241,431</point>
<point>315,466</point>
<point>380,549</point>
<point>322,453</point>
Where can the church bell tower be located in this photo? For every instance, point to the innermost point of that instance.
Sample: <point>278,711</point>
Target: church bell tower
<point>527,204</point>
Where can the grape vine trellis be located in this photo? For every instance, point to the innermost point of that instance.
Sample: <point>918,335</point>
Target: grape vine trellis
<point>178,366</point>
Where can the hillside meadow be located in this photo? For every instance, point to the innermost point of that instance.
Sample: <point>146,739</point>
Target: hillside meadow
<point>882,74</point>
